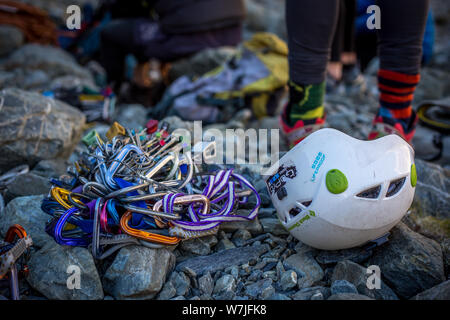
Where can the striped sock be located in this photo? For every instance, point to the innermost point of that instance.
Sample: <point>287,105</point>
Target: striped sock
<point>396,94</point>
<point>305,102</point>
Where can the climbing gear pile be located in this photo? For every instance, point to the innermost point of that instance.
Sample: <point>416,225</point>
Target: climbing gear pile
<point>332,191</point>
<point>143,188</point>
<point>12,257</point>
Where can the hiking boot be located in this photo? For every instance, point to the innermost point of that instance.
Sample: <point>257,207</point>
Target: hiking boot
<point>300,130</point>
<point>383,126</point>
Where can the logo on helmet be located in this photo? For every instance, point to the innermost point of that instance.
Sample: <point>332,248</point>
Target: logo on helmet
<point>308,216</point>
<point>278,179</point>
<point>320,158</point>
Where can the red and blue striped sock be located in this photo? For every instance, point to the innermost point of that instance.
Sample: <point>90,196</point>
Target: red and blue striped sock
<point>396,94</point>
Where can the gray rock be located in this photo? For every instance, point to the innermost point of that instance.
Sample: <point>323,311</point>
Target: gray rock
<point>288,280</point>
<point>240,237</point>
<point>201,62</point>
<point>138,272</point>
<point>342,286</point>
<point>50,168</point>
<point>27,212</point>
<point>349,296</point>
<point>224,244</point>
<point>234,271</point>
<point>354,273</point>
<point>317,296</point>
<point>279,296</point>
<point>49,273</point>
<point>308,293</point>
<point>181,283</point>
<point>27,184</point>
<point>35,127</point>
<point>222,260</point>
<point>272,274</point>
<point>167,292</point>
<point>273,226</point>
<point>255,275</point>
<point>253,226</point>
<point>199,246</point>
<point>409,262</point>
<point>357,255</point>
<point>308,270</point>
<point>432,200</point>
<point>267,293</point>
<point>35,79</point>
<point>255,290</point>
<point>225,285</point>
<point>52,60</point>
<point>131,116</point>
<point>439,292</point>
<point>279,268</point>
<point>206,284</point>
<point>445,245</point>
<point>179,298</point>
<point>265,16</point>
<point>10,39</point>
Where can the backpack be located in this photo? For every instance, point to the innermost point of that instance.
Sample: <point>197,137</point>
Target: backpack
<point>255,77</point>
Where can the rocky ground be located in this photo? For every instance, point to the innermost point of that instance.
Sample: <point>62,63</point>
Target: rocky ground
<point>254,260</point>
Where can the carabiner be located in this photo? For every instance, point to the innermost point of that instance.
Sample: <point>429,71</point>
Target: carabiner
<point>145,235</point>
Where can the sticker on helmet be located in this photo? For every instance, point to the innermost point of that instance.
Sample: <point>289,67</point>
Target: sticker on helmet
<point>278,179</point>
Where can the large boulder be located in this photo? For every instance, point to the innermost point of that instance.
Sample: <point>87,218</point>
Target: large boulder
<point>357,275</point>
<point>138,272</point>
<point>409,262</point>
<point>52,267</point>
<point>222,259</point>
<point>53,61</point>
<point>27,212</point>
<point>27,184</point>
<point>439,292</point>
<point>430,212</point>
<point>10,39</point>
<point>33,127</point>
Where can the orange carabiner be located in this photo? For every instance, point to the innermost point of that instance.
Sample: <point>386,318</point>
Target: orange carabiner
<point>145,235</point>
<point>15,230</point>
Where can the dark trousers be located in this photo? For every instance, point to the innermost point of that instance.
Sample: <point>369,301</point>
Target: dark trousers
<point>144,39</point>
<point>344,35</point>
<point>311,25</point>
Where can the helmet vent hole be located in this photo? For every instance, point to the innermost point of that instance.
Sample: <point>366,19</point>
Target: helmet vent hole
<point>395,186</point>
<point>294,211</point>
<point>306,203</point>
<point>371,193</point>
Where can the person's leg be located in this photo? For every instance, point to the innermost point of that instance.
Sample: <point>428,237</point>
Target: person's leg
<point>310,26</point>
<point>334,66</point>
<point>122,37</point>
<point>400,50</point>
<point>113,48</point>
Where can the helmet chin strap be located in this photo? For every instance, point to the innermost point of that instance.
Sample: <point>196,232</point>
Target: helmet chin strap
<point>376,242</point>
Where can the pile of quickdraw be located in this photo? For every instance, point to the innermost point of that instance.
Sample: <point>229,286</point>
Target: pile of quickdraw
<point>143,188</point>
<point>12,250</point>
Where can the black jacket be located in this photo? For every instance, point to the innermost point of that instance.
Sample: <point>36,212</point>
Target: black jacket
<point>183,16</point>
<point>186,16</point>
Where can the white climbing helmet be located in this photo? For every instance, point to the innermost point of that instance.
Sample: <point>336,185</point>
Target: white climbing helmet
<point>332,191</point>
